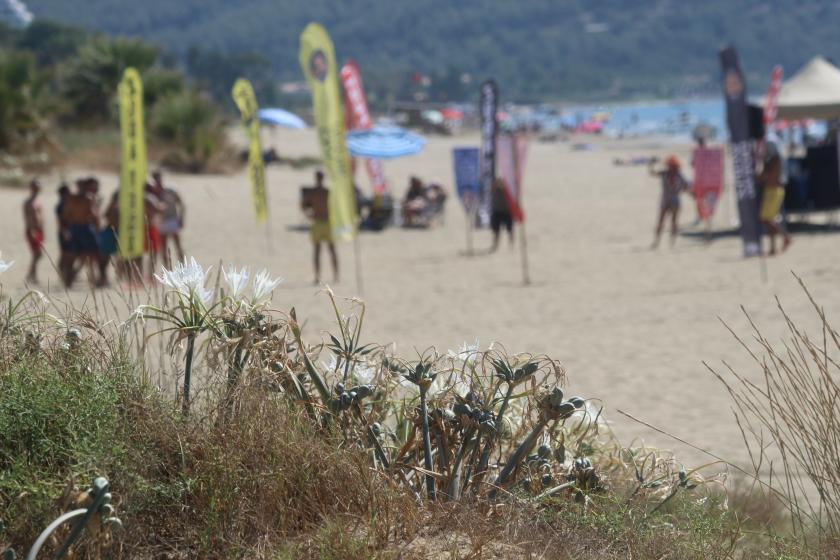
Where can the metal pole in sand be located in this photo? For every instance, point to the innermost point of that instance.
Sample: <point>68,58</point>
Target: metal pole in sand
<point>357,253</point>
<point>523,244</point>
<point>470,225</point>
<point>268,237</point>
<point>763,266</point>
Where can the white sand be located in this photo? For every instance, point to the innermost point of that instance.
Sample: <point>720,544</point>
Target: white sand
<point>632,326</point>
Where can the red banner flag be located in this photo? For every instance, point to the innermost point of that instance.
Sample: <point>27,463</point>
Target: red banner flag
<point>708,179</point>
<point>511,150</point>
<point>358,118</point>
<point>770,102</point>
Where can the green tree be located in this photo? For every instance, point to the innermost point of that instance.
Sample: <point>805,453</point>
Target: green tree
<point>51,41</point>
<point>159,83</point>
<point>90,81</point>
<point>22,123</point>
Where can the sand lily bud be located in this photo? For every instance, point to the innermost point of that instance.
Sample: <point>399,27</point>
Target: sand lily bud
<point>579,402</point>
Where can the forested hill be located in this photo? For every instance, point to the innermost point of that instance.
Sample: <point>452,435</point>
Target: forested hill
<point>537,49</point>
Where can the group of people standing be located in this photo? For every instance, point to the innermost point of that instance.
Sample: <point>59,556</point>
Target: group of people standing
<point>768,178</point>
<point>88,237</point>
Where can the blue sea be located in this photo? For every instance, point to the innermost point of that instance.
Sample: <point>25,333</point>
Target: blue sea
<point>676,118</point>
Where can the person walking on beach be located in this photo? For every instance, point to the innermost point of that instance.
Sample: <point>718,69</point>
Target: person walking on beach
<point>500,215</point>
<point>317,208</point>
<point>33,219</point>
<point>82,218</point>
<point>772,197</point>
<point>673,183</point>
<point>171,217</point>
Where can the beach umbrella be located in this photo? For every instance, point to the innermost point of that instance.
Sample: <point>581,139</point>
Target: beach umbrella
<point>281,118</point>
<point>384,142</point>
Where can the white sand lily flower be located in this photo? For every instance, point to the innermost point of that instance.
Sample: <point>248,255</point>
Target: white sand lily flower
<point>466,353</point>
<point>4,266</point>
<point>590,413</point>
<point>437,388</point>
<point>138,315</point>
<point>188,279</point>
<point>364,373</point>
<point>332,365</point>
<point>263,286</point>
<point>236,280</point>
<point>460,385</point>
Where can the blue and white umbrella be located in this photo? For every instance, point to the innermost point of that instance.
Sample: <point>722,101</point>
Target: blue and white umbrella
<point>384,142</point>
<point>280,117</point>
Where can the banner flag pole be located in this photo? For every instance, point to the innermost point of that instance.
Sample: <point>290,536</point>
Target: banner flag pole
<point>317,60</point>
<point>523,244</point>
<point>357,251</point>
<point>741,147</point>
<point>133,166</point>
<point>470,223</point>
<point>246,101</point>
<point>466,164</point>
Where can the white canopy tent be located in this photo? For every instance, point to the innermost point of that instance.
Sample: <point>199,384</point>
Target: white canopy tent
<point>811,93</point>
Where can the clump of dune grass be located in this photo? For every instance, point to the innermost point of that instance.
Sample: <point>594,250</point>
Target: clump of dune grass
<point>789,421</point>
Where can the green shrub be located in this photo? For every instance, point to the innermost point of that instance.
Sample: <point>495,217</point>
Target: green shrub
<point>159,83</point>
<point>22,123</point>
<point>60,419</point>
<point>89,83</point>
<point>190,125</point>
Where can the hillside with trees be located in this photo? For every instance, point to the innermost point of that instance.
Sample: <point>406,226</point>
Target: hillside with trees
<point>538,50</point>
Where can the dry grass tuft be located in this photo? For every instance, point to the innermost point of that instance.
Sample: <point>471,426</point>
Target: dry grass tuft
<point>790,421</point>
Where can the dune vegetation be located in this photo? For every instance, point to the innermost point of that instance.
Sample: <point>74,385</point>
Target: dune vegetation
<point>267,441</point>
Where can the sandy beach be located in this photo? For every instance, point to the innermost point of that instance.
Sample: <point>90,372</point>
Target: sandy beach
<point>632,326</point>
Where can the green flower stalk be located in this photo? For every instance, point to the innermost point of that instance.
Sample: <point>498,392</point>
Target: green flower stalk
<point>512,377</point>
<point>190,316</point>
<point>552,408</point>
<point>243,316</point>
<point>422,376</point>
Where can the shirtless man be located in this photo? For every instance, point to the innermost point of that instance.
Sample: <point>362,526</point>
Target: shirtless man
<point>317,208</point>
<point>33,219</point>
<point>81,215</point>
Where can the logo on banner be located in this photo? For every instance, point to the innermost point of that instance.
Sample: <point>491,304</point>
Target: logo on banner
<point>318,65</point>
<point>733,84</point>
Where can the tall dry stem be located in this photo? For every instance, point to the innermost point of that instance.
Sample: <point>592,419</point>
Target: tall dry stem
<point>793,409</point>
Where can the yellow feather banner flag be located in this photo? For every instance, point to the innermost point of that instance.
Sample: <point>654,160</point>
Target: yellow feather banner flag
<point>133,166</point>
<point>243,95</point>
<point>317,59</point>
